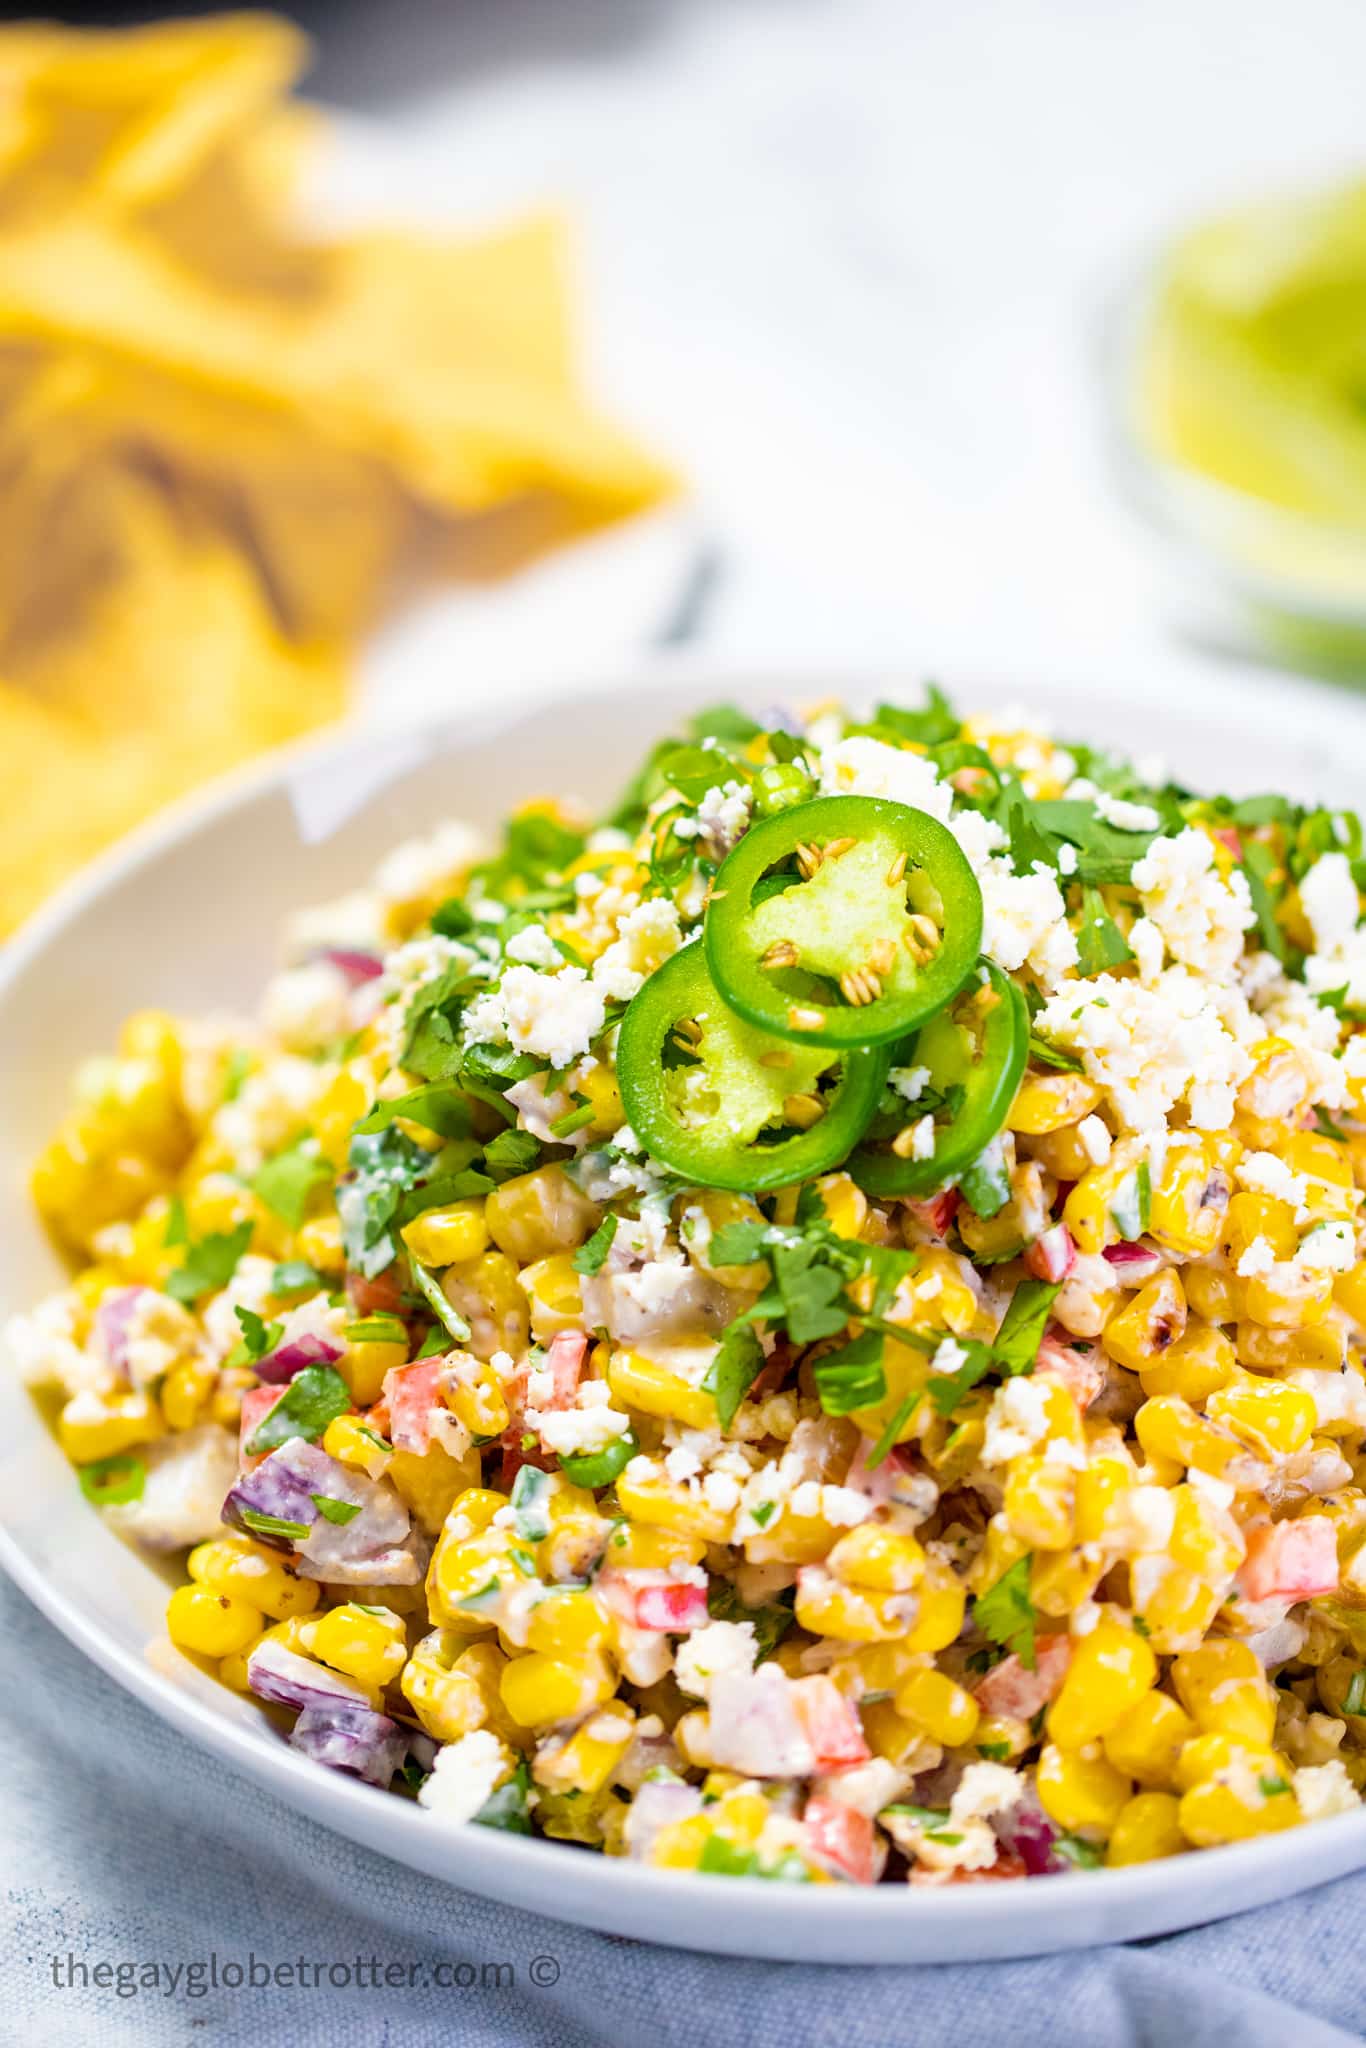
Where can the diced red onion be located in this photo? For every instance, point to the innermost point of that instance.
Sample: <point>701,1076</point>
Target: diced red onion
<point>675,1609</point>
<point>1027,1832</point>
<point>290,1358</point>
<point>282,1486</point>
<point>351,1738</point>
<point>356,966</point>
<point>1052,1256</point>
<point>288,1680</point>
<point>1134,1262</point>
<point>113,1319</point>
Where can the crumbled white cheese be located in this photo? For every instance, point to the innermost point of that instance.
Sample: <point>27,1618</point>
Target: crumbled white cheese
<point>1322,1790</point>
<point>1328,1248</point>
<point>844,1506</point>
<point>723,816</point>
<point>1024,921</point>
<point>44,1347</point>
<point>1259,1258</point>
<point>868,767</point>
<point>273,1105</point>
<point>534,947</point>
<point>922,1138</point>
<point>948,1356</point>
<point>722,1646</point>
<point>578,1432</point>
<point>553,1016</point>
<point>1202,917</point>
<point>1016,1419</point>
<point>1338,1397</point>
<point>1096,1141</point>
<point>909,1083</point>
<point>1150,1047</point>
<point>647,935</point>
<point>1148,948</point>
<point>1265,1174</point>
<point>422,868</point>
<point>307,1006</point>
<point>1067,858</point>
<point>1329,899</point>
<point>464,1776</point>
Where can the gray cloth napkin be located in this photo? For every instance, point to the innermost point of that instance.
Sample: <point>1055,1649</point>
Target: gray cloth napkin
<point>121,1845</point>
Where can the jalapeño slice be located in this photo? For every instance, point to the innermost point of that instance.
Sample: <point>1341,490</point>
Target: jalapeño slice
<point>727,1106</point>
<point>844,921</point>
<point>975,1052</point>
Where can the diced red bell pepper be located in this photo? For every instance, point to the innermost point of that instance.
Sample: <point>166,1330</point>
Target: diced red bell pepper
<point>1011,1689</point>
<point>410,1392</point>
<point>1081,1372</point>
<point>1227,835</point>
<point>829,1722</point>
<point>935,1215</point>
<point>564,1363</point>
<point>1003,1869</point>
<point>256,1405</point>
<point>1290,1560</point>
<point>381,1296</point>
<point>1052,1256</point>
<point>842,1838</point>
<point>672,1610</point>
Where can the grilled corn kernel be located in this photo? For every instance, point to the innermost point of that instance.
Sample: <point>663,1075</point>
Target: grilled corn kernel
<point>944,1710</point>
<point>1266,1414</point>
<point>538,1690</point>
<point>1204,1538</point>
<point>1322,1348</point>
<point>845,1205</point>
<point>251,1572</point>
<point>1212,1292</point>
<point>1060,1580</point>
<point>185,1391</point>
<point>1288,1297</point>
<point>1003,1737</point>
<point>449,1236</point>
<point>1349,1291</point>
<point>568,1624</point>
<point>365,1362</point>
<point>1111,1669</point>
<point>1169,1427</point>
<point>555,1293</point>
<point>537,1213</point>
<point>1191,1198</point>
<point>1038,1503</point>
<point>1146,1743</point>
<point>1224,1690</point>
<point>851,1614</point>
<point>1046,1102</point>
<point>874,1555</point>
<point>94,1426</point>
<point>211,1624</point>
<point>488,1293</point>
<point>352,1442</point>
<point>1083,1794</point>
<point>1089,1211</point>
<point>1196,1365</point>
<point>447,1702</point>
<point>647,1494</point>
<point>586,1761</point>
<point>637,1382</point>
<point>429,1481</point>
<point>941,1604</point>
<point>892,1737</point>
<point>476,1397</point>
<point>340,1107</point>
<point>637,1547</point>
<point>366,1644</point>
<point>1232,1791</point>
<point>1144,1331</point>
<point>319,1242</point>
<point>1146,1828</point>
<point>1259,1216</point>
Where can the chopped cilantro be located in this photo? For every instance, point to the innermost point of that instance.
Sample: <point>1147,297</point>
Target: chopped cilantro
<point>853,1376</point>
<point>1005,1612</point>
<point>333,1510</point>
<point>1100,942</point>
<point>508,1806</point>
<point>286,1182</point>
<point>770,1622</point>
<point>1016,1344</point>
<point>262,1524</point>
<point>209,1263</point>
<point>259,1338</point>
<point>1043,1054</point>
<point>589,1257</point>
<point>313,1398</point>
<point>438,1107</point>
<point>294,1276</point>
<point>738,1362</point>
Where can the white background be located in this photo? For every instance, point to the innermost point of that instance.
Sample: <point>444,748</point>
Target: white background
<point>845,261</point>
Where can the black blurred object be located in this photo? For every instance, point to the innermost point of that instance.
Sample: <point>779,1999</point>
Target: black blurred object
<point>372,51</point>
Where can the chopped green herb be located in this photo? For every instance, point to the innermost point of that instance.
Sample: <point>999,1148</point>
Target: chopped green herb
<point>209,1264</point>
<point>450,1318</point>
<point>438,1107</point>
<point>286,1182</point>
<point>294,1276</point>
<point>738,1362</point>
<point>313,1398</point>
<point>1005,1612</point>
<point>589,1257</point>
<point>333,1510</point>
<point>1016,1344</point>
<point>852,1377</point>
<point>274,1525</point>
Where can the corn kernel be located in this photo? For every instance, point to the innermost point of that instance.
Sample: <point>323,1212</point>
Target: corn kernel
<point>1196,1365</point>
<point>535,1214</point>
<point>1038,1503</point>
<point>568,1624</point>
<point>93,1426</point>
<point>250,1572</point>
<point>211,1624</point>
<point>352,1442</point>
<point>555,1293</point>
<point>1083,1794</point>
<point>1046,1102</point>
<point>538,1690</point>
<point>1266,1414</point>
<point>586,1761</point>
<point>946,1712</point>
<point>1146,1828</point>
<point>364,1644</point>
<point>873,1555</point>
<point>449,1236</point>
<point>319,1242</point>
<point>448,1703</point>
<point>638,1382</point>
<point>1224,1690</point>
<point>1152,1322</point>
<point>1111,1669</point>
<point>1145,1744</point>
<point>1191,1198</point>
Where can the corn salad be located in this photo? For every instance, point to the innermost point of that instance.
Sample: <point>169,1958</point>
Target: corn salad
<point>810,1329</point>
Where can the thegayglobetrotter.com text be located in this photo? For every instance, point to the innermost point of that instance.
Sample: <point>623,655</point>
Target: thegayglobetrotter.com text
<point>198,1977</point>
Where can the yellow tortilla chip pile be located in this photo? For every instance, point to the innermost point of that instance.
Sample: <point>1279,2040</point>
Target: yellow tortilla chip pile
<point>226,446</point>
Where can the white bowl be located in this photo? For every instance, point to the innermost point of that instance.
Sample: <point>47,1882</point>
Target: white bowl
<point>184,916</point>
